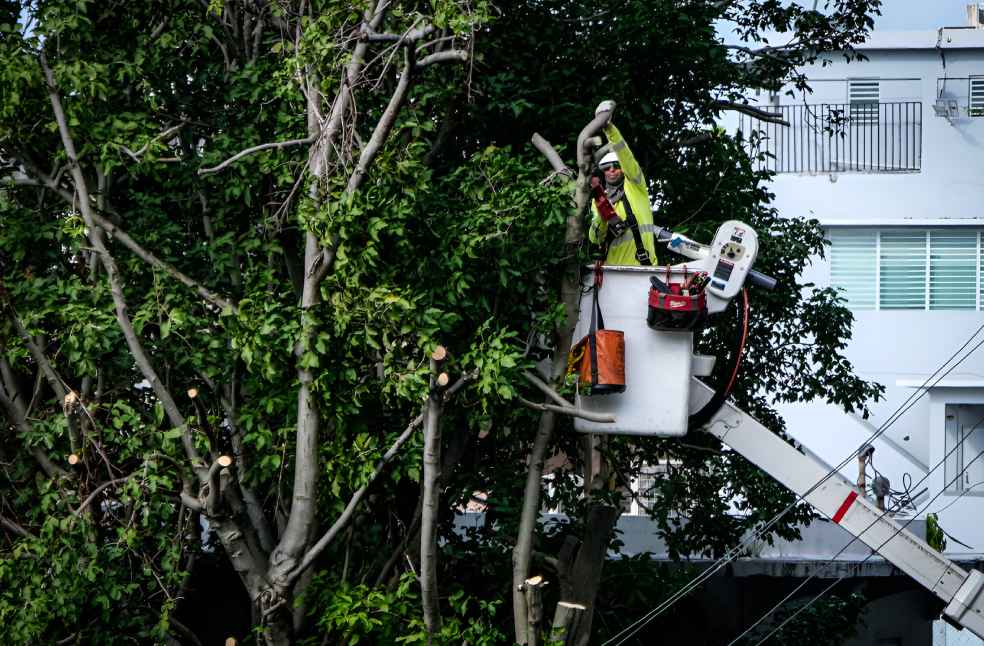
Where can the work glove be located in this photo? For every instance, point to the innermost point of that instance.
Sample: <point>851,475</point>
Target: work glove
<point>606,106</point>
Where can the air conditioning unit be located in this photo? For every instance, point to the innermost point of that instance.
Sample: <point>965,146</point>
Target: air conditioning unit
<point>946,108</point>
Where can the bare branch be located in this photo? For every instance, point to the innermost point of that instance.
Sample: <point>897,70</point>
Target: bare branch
<point>410,36</point>
<point>357,497</point>
<point>447,56</point>
<point>752,111</point>
<point>131,244</point>
<point>98,490</point>
<point>54,380</point>
<point>569,410</point>
<point>212,499</point>
<point>255,149</point>
<point>162,135</point>
<point>13,527</point>
<point>547,390</point>
<point>553,158</point>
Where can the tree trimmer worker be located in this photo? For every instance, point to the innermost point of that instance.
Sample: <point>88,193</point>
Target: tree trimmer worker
<point>622,214</point>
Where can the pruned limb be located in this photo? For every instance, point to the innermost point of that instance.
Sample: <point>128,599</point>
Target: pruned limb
<point>142,253</point>
<point>433,409</point>
<point>585,572</point>
<point>553,158</point>
<point>275,145</point>
<point>214,488</point>
<point>567,620</point>
<point>569,410</point>
<point>752,111</point>
<point>533,590</point>
<point>56,383</point>
<point>346,516</point>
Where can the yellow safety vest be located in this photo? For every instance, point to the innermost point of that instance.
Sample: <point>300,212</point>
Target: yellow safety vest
<point>622,250</point>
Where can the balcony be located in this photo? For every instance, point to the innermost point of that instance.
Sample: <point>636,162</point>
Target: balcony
<point>859,137</point>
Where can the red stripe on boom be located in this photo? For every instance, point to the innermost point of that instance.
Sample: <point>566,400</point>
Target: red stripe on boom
<point>845,506</point>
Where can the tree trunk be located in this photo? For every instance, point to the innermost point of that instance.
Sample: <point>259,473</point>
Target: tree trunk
<point>432,494</point>
<point>585,575</point>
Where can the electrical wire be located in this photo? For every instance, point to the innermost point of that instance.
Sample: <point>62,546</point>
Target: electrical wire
<point>629,631</point>
<point>885,542</point>
<point>833,558</point>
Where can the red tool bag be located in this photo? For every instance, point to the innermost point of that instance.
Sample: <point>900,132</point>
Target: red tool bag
<point>672,309</point>
<point>599,357</point>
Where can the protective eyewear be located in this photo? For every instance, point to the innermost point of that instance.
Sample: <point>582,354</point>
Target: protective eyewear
<point>610,165</point>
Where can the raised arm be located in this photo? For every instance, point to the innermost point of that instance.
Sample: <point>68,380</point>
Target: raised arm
<point>630,167</point>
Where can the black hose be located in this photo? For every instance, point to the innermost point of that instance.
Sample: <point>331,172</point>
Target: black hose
<point>700,418</point>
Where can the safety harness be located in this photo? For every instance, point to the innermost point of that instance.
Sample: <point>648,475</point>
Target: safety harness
<point>616,227</point>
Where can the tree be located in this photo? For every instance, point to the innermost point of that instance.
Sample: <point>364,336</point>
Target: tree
<point>232,235</point>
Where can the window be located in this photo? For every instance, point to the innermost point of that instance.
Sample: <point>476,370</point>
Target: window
<point>976,103</point>
<point>908,269</point>
<point>964,468</point>
<point>862,94</point>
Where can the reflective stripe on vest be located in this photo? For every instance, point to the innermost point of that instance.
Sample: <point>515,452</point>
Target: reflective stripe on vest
<point>626,238</point>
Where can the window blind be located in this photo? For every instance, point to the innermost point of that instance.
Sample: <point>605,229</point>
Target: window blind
<point>953,270</point>
<point>976,106</point>
<point>902,264</point>
<point>938,269</point>
<point>863,95</point>
<point>853,266</point>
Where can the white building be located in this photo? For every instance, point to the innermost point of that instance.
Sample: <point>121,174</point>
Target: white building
<point>888,154</point>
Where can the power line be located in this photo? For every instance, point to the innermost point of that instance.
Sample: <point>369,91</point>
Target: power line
<point>629,631</point>
<point>884,513</point>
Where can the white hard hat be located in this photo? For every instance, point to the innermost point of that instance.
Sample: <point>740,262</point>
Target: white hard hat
<point>610,158</point>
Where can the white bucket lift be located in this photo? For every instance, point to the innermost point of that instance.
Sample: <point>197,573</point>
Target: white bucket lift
<point>661,389</point>
<point>659,364</point>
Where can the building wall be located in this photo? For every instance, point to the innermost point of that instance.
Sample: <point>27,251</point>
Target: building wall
<point>901,348</point>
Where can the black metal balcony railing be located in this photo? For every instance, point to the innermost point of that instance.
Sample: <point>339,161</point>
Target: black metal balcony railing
<point>839,138</point>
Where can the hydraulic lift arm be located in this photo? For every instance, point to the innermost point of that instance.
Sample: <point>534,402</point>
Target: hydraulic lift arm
<point>838,499</point>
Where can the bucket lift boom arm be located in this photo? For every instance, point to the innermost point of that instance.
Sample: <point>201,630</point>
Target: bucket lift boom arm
<point>839,500</point>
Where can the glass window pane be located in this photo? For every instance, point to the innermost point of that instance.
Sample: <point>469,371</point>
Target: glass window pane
<point>903,270</point>
<point>852,266</point>
<point>952,270</point>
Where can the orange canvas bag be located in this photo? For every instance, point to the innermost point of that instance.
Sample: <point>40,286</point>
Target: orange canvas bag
<point>599,357</point>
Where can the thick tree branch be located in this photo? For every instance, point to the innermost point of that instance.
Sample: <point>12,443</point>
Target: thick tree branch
<point>410,36</point>
<point>752,111</point>
<point>447,56</point>
<point>383,127</point>
<point>17,414</point>
<point>553,158</point>
<point>276,145</point>
<point>431,478</point>
<point>95,235</point>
